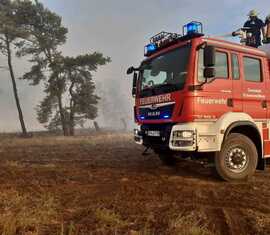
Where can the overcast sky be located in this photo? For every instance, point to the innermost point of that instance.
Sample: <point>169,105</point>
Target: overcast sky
<point>120,29</point>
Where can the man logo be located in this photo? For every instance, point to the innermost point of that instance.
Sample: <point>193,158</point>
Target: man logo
<point>153,114</point>
<point>153,107</point>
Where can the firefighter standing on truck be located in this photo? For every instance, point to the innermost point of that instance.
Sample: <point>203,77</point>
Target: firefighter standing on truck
<point>267,29</point>
<point>256,26</point>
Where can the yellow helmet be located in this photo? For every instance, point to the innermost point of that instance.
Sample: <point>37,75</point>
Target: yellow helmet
<point>253,13</point>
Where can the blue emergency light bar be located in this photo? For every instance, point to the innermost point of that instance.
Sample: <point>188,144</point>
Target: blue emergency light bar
<point>160,40</point>
<point>165,39</point>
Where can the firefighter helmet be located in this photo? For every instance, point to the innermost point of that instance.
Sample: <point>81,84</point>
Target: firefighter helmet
<point>253,13</point>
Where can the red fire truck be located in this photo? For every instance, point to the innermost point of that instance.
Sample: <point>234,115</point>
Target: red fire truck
<point>198,96</point>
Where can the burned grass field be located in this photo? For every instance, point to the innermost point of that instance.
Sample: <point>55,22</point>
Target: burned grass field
<point>101,184</point>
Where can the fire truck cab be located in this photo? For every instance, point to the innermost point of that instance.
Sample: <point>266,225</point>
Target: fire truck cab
<point>199,96</point>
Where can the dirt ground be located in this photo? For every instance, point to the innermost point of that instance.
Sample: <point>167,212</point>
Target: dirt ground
<point>101,184</point>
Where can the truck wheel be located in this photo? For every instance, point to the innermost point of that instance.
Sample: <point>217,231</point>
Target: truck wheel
<point>166,157</point>
<point>237,159</point>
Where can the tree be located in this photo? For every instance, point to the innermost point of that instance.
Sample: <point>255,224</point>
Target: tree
<point>13,32</point>
<point>64,77</point>
<point>47,34</point>
<point>78,88</point>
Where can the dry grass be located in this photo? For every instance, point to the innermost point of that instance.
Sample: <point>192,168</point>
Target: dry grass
<point>87,172</point>
<point>24,214</point>
<point>109,220</point>
<point>60,140</point>
<point>191,224</point>
<point>260,221</point>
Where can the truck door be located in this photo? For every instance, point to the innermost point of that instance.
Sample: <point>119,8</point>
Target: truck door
<point>215,98</point>
<point>253,88</point>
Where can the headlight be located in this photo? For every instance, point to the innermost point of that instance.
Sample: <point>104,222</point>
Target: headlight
<point>183,134</point>
<point>187,134</point>
<point>184,138</point>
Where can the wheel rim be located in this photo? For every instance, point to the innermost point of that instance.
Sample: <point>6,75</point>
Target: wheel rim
<point>237,159</point>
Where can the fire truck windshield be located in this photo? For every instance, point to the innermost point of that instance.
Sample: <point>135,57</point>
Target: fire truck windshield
<point>165,73</point>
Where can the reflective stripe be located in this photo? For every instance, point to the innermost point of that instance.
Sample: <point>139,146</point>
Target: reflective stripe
<point>156,105</point>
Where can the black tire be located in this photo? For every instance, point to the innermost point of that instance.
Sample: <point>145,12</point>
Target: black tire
<point>237,159</point>
<point>166,157</point>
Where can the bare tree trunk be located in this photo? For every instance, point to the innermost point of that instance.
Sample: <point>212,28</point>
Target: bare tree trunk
<point>71,121</point>
<point>96,126</point>
<point>59,96</point>
<point>15,91</point>
<point>71,124</point>
<point>62,114</point>
<point>71,106</point>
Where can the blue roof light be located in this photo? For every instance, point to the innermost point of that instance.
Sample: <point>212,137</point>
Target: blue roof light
<point>150,48</point>
<point>193,28</point>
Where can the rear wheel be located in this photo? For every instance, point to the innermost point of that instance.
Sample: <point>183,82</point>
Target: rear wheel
<point>237,159</point>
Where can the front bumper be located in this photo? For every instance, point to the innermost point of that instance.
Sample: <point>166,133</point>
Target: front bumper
<point>138,136</point>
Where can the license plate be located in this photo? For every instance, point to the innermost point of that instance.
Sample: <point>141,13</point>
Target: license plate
<point>153,133</point>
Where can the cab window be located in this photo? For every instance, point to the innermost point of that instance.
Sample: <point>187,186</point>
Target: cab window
<point>235,67</point>
<point>252,69</point>
<point>221,65</point>
<point>200,67</point>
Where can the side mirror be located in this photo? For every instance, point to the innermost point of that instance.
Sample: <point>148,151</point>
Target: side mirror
<point>130,70</point>
<point>209,72</point>
<point>134,85</point>
<point>209,56</point>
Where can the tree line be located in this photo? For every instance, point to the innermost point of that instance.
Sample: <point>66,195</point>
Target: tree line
<point>30,31</point>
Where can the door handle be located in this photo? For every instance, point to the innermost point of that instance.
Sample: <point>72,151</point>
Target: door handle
<point>264,104</point>
<point>230,102</point>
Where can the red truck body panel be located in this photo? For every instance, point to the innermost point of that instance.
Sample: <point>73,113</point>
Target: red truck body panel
<point>190,105</point>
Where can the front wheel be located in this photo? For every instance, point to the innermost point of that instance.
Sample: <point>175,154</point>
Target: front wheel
<point>237,159</point>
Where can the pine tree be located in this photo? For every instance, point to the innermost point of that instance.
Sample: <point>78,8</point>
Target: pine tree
<point>79,90</point>
<point>13,32</point>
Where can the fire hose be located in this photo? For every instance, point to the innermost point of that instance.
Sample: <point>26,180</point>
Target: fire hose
<point>246,38</point>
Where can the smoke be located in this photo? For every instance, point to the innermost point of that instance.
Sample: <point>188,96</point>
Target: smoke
<point>115,104</point>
